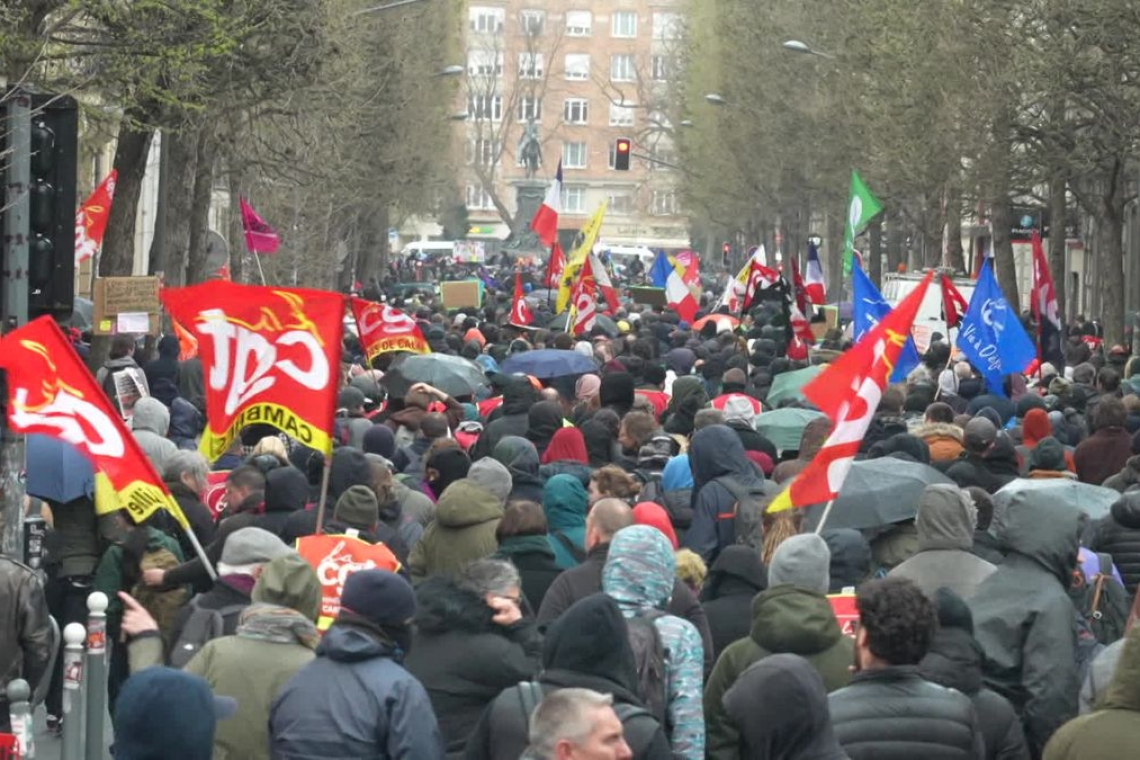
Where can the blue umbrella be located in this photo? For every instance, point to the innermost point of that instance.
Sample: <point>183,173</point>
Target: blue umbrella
<point>548,363</point>
<point>57,471</point>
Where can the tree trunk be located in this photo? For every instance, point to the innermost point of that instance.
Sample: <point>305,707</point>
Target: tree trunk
<point>834,257</point>
<point>875,251</point>
<point>1111,265</point>
<point>168,247</point>
<point>1057,239</point>
<point>952,256</point>
<point>373,252</point>
<point>1001,218</point>
<point>236,233</point>
<point>200,200</point>
<point>896,240</point>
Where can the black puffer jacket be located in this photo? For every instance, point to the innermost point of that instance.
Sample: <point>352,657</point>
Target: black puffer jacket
<point>955,661</point>
<point>734,579</point>
<point>895,714</point>
<point>1118,535</point>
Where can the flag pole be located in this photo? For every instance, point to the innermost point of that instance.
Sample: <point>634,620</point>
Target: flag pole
<point>826,514</point>
<point>210,571</point>
<point>324,495</point>
<point>949,361</point>
<point>260,271</point>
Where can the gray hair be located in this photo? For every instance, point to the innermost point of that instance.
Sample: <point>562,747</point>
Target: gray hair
<point>490,576</point>
<point>706,417</point>
<point>563,715</point>
<point>183,461</point>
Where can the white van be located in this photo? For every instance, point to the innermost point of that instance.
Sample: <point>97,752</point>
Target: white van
<point>929,320</point>
<point>435,248</point>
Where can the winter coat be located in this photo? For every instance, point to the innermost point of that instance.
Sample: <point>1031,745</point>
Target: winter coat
<point>197,514</point>
<point>850,558</point>
<point>186,424</point>
<point>973,470</point>
<point>355,700</point>
<point>192,383</point>
<point>25,629</point>
<point>1113,731</point>
<point>463,659</point>
<point>1099,676</point>
<point>943,439</point>
<point>1102,455</point>
<point>534,559</point>
<point>74,544</point>
<point>639,575</point>
<point>1118,535</point>
<point>565,501</point>
<point>716,452</point>
<point>780,707</point>
<point>945,525</point>
<point>954,660</point>
<point>579,582</point>
<point>520,457</point>
<point>734,579</point>
<point>752,439</point>
<point>892,713</point>
<point>1128,477</point>
<point>518,397</point>
<point>150,423</point>
<point>785,620</point>
<point>349,468</point>
<point>1023,617</point>
<point>587,648</point>
<point>162,373</point>
<point>464,530</point>
<point>113,576</point>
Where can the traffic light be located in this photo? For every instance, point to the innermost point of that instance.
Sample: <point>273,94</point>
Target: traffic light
<point>622,149</point>
<point>726,253</point>
<point>52,205</point>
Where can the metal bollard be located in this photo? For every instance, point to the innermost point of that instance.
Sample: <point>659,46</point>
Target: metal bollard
<point>20,711</point>
<point>73,636</point>
<point>96,676</point>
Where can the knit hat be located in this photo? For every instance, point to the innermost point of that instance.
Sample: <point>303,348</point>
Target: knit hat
<point>801,561</point>
<point>357,508</point>
<point>493,476</point>
<point>167,713</point>
<point>979,434</point>
<point>253,546</point>
<point>1049,455</point>
<point>379,439</point>
<point>379,596</point>
<point>1027,402</point>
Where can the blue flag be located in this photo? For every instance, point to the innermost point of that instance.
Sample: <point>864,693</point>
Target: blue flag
<point>660,271</point>
<point>991,335</point>
<point>868,308</point>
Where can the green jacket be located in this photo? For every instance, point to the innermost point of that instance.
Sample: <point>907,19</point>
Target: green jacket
<point>785,620</point>
<point>109,574</point>
<point>463,531</point>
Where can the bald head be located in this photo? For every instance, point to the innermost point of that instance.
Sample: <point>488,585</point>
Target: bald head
<point>606,518</point>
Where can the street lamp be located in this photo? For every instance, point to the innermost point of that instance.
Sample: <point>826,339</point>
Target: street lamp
<point>715,99</point>
<point>453,70</point>
<point>798,46</point>
<point>686,122</point>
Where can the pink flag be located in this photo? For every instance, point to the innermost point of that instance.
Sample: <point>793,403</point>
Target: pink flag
<point>259,236</point>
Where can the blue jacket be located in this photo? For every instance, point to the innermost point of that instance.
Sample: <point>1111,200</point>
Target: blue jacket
<point>716,452</point>
<point>355,701</point>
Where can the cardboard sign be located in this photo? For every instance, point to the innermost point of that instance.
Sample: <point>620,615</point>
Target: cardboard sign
<point>335,558</point>
<point>463,294</point>
<point>135,298</point>
<point>654,297</point>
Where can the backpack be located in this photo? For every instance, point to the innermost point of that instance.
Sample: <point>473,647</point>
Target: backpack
<point>747,511</point>
<point>649,655</point>
<point>1102,601</point>
<point>163,606</point>
<point>638,724</point>
<point>201,627</point>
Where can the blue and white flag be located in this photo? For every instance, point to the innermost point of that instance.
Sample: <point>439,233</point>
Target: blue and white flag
<point>868,309</point>
<point>992,336</point>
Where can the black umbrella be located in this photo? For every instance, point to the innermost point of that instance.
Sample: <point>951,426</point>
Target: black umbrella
<point>602,321</point>
<point>878,492</point>
<point>453,375</point>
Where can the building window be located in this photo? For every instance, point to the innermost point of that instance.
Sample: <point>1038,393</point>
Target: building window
<point>666,26</point>
<point>487,63</point>
<point>621,68</point>
<point>661,68</point>
<point>621,115</point>
<point>478,198</point>
<point>613,155</point>
<point>487,20</point>
<point>624,24</point>
<point>532,22</point>
<point>574,199</point>
<point>485,108</point>
<point>664,159</point>
<point>483,151</point>
<point>621,204</point>
<point>578,66</point>
<point>663,203</point>
<point>578,23</point>
<point>530,107</point>
<point>576,111</point>
<point>574,155</point>
<point>530,66</point>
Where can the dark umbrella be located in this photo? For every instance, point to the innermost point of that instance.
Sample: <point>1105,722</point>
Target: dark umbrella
<point>549,363</point>
<point>453,375</point>
<point>604,322</point>
<point>57,471</point>
<point>878,492</point>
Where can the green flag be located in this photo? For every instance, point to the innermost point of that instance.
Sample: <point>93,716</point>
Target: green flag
<point>861,210</point>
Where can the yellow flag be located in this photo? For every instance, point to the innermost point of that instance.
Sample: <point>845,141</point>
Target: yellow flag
<point>578,256</point>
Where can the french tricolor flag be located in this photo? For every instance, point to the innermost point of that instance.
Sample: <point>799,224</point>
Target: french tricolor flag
<point>545,222</point>
<point>813,277</point>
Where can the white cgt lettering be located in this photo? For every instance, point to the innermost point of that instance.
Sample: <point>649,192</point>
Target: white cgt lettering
<point>63,414</point>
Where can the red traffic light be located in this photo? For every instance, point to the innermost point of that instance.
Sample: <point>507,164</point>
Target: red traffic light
<point>622,148</point>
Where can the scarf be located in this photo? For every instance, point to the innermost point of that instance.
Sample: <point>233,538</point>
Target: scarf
<point>276,624</point>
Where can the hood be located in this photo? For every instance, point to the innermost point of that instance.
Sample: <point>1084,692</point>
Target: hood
<point>450,465</point>
<point>286,490</point>
<point>617,392</point>
<point>736,571</point>
<point>683,388</point>
<point>112,365</point>
<point>493,476</point>
<point>379,439</point>
<point>349,468</point>
<point>465,503</point>
<point>152,415</point>
<point>939,430</point>
<point>1043,528</point>
<point>443,605</point>
<point>544,419</point>
<point>599,443</point>
<point>954,660</point>
<point>716,451</point>
<point>654,515</point>
<point>1049,455</point>
<point>1035,427</point>
<point>791,619</point>
<point>814,436</point>
<point>946,518</point>
<point>592,638</point>
<point>354,643</point>
<point>518,396</point>
<point>1126,510</point>
<point>850,558</point>
<point>520,457</point>
<point>640,569</point>
<point>566,445</point>
<point>289,581</point>
<point>169,347</point>
<point>677,475</point>
<point>1124,689</point>
<point>565,501</point>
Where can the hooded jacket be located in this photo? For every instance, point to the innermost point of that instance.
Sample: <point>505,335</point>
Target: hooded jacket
<point>689,397</point>
<point>26,633</point>
<point>518,397</point>
<point>354,700</point>
<point>943,439</point>
<point>1023,617</point>
<point>780,706</point>
<point>1127,478</point>
<point>786,619</point>
<point>734,579</point>
<point>464,530</point>
<point>945,526</point>
<point>565,501</point>
<point>149,424</point>
<point>162,373</point>
<point>544,419</point>
<point>463,658</point>
<point>520,457</point>
<point>588,647</point>
<point>639,575</point>
<point>1113,731</point>
<point>1118,535</point>
<point>716,453</point>
<point>617,392</point>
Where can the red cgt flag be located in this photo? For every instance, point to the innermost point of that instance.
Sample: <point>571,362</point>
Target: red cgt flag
<point>270,356</point>
<point>383,329</point>
<point>52,393</point>
<point>954,304</point>
<point>520,312</point>
<point>91,219</point>
<point>555,267</point>
<point>259,236</point>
